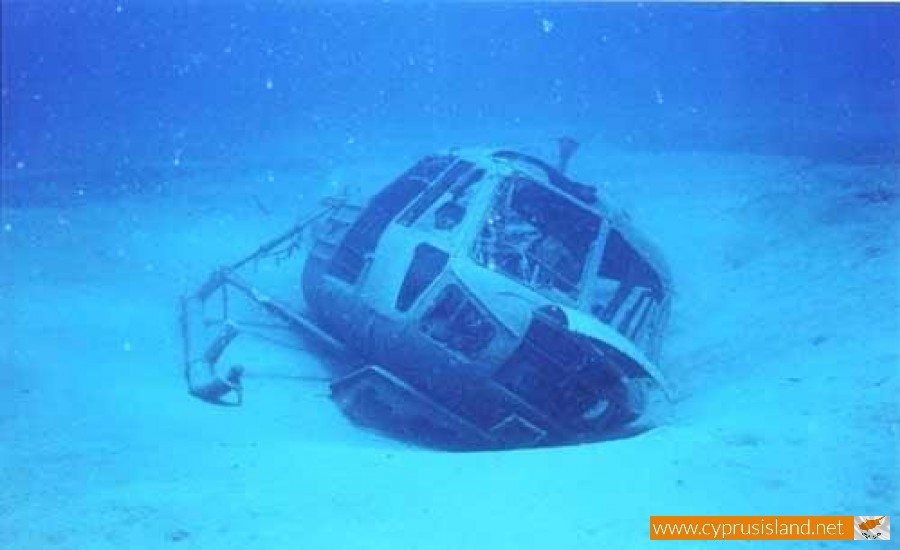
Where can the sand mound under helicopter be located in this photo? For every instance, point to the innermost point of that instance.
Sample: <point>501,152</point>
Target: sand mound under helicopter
<point>481,300</point>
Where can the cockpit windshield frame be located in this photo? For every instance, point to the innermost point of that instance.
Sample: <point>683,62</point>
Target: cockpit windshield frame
<point>537,236</point>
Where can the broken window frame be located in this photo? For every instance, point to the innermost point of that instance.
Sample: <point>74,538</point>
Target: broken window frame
<point>505,193</point>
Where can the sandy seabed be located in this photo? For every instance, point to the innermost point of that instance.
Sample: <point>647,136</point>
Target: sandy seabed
<point>783,352</point>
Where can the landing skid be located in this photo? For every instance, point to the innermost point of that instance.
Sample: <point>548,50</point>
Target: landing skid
<point>206,337</point>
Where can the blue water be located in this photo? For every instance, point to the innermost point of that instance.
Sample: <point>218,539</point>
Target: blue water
<point>106,83</point>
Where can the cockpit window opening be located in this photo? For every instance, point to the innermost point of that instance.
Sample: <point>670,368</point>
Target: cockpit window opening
<point>451,208</point>
<point>351,257</point>
<point>427,263</point>
<point>460,176</point>
<point>537,236</point>
<point>456,321</point>
<point>629,292</point>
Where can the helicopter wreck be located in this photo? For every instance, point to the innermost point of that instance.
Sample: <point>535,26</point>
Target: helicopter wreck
<point>487,302</point>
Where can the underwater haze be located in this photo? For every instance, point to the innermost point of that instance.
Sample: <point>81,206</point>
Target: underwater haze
<point>110,83</point>
<point>145,144</point>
